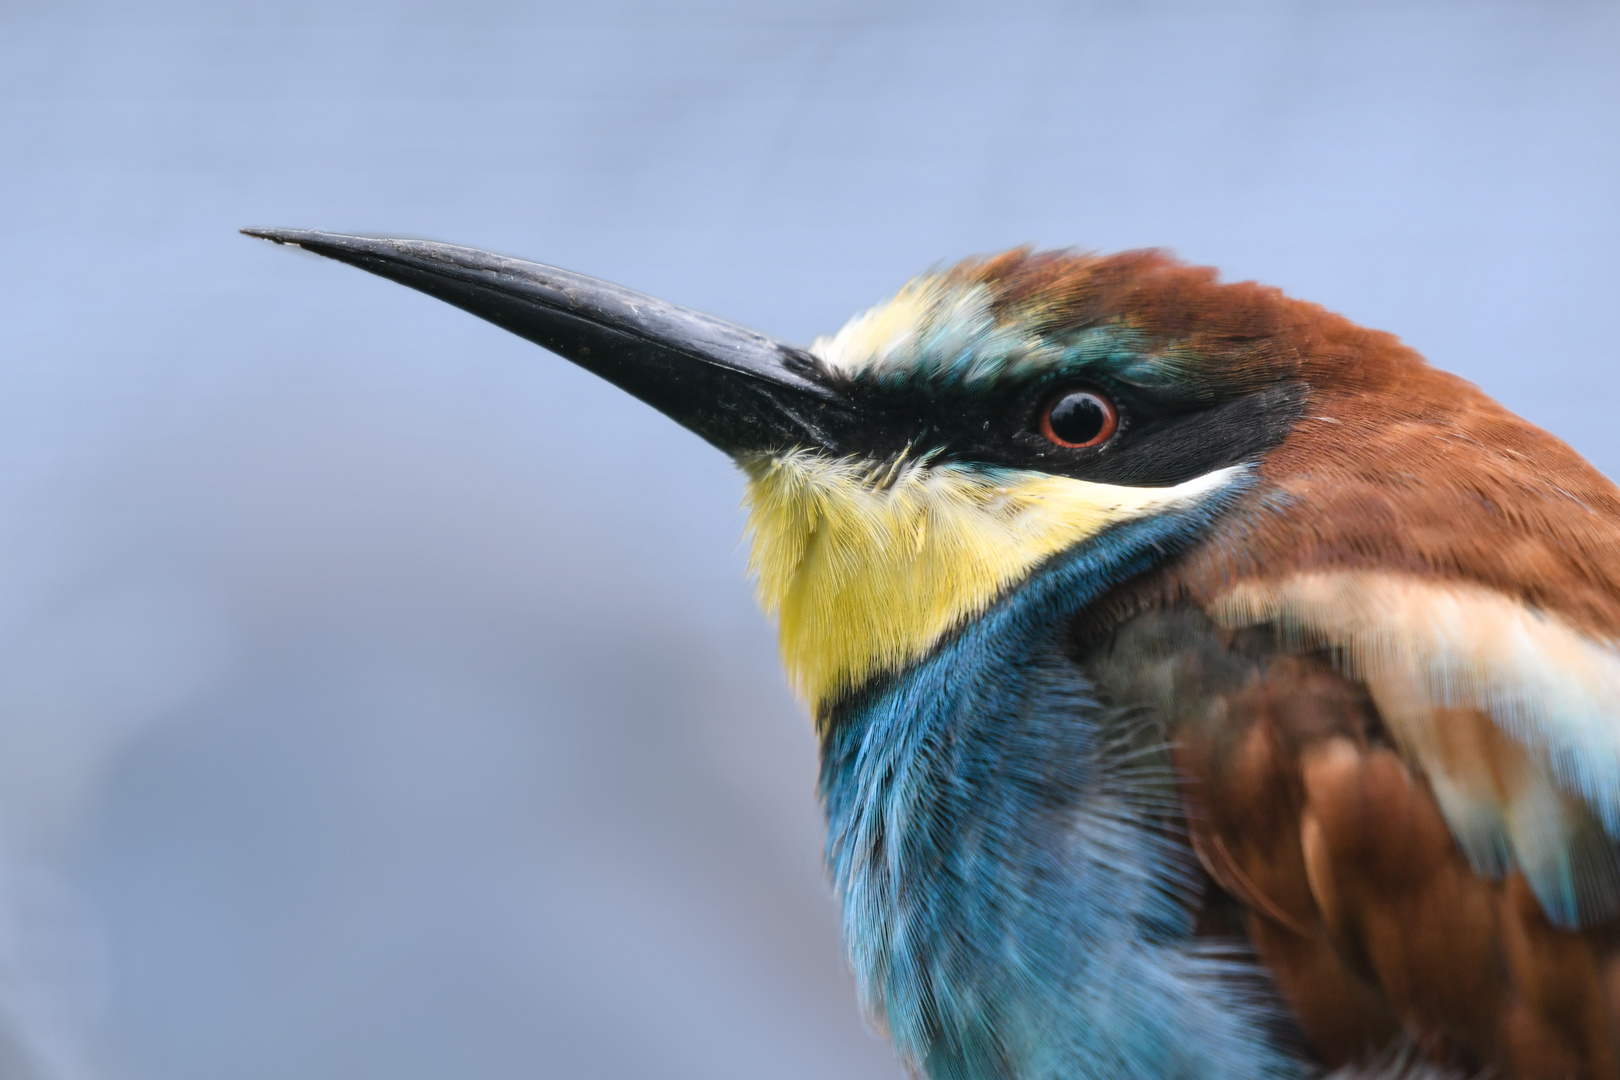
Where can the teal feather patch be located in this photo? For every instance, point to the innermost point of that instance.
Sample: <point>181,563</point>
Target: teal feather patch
<point>1014,906</point>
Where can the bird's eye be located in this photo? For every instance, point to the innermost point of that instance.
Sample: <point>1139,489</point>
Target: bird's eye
<point>1079,418</point>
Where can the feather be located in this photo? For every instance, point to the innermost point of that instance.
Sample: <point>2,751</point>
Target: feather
<point>1508,712</point>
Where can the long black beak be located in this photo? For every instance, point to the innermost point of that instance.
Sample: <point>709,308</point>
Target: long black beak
<point>740,390</point>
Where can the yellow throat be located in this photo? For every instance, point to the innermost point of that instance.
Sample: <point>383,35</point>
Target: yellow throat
<point>866,567</point>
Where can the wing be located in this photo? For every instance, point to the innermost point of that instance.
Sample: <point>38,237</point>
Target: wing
<point>1405,866</point>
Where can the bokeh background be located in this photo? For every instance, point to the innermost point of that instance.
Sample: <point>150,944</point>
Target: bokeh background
<point>380,696</point>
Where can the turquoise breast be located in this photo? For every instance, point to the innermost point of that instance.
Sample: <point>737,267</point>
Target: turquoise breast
<point>1015,895</point>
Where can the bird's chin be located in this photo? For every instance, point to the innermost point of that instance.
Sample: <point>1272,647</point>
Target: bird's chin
<point>868,564</point>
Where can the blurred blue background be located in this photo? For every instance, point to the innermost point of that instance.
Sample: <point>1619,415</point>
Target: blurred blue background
<point>382,697</point>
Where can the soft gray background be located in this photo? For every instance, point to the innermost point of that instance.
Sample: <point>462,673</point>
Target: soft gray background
<point>380,697</point>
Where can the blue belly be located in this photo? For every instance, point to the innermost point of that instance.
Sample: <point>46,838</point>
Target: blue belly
<point>1015,894</point>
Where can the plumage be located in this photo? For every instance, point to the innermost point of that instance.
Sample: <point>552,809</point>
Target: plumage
<point>823,533</point>
<point>1270,731</point>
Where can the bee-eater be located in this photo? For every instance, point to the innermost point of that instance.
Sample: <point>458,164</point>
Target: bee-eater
<point>1207,688</point>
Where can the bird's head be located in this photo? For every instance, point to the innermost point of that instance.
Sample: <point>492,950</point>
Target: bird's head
<point>1002,411</point>
<point>906,471</point>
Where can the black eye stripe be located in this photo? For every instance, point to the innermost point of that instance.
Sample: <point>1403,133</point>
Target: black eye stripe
<point>1156,443</point>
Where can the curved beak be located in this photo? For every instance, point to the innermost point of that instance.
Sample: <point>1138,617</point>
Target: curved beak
<point>743,392</point>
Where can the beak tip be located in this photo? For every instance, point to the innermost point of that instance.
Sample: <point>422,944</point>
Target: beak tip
<point>290,237</point>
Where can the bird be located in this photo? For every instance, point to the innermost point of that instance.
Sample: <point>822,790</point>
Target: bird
<point>1205,685</point>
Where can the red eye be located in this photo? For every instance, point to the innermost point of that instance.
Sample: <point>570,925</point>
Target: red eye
<point>1079,418</point>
